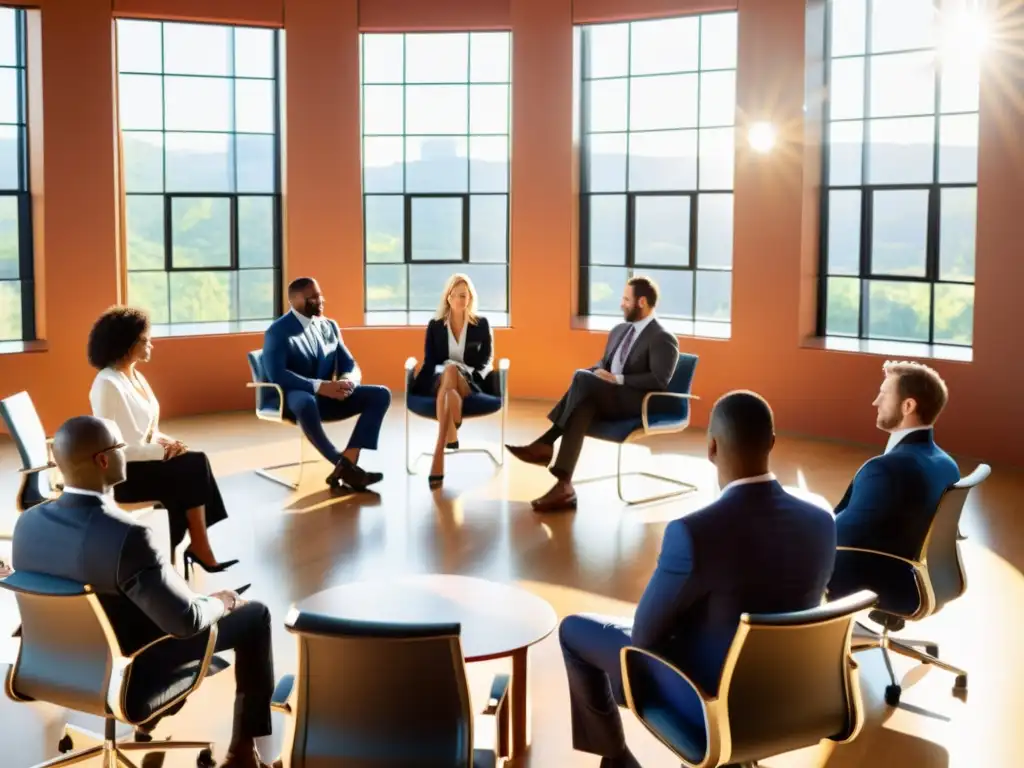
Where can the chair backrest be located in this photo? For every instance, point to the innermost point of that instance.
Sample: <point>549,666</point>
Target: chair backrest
<point>266,397</point>
<point>941,551</point>
<point>386,695</point>
<point>67,646</point>
<point>25,428</point>
<point>681,383</point>
<point>788,680</point>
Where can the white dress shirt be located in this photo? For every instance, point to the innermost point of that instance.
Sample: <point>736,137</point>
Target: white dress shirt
<point>137,414</point>
<point>618,359</point>
<point>306,322</point>
<point>765,478</point>
<point>898,434</point>
<point>85,492</point>
<point>456,349</point>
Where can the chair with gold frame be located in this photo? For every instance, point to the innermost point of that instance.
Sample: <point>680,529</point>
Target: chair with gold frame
<point>937,576</point>
<point>70,657</point>
<point>789,681</point>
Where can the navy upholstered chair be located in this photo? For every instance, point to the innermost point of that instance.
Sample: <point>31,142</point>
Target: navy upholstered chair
<point>476,405</point>
<point>789,681</point>
<point>38,475</point>
<point>70,657</point>
<point>270,406</point>
<point>661,413</point>
<point>936,575</point>
<point>391,694</point>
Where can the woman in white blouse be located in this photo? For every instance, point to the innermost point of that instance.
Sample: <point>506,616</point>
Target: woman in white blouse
<point>457,362</point>
<point>160,468</point>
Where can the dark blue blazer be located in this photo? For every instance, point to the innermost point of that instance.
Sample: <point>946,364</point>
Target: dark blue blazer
<point>756,549</point>
<point>479,356</point>
<point>889,507</point>
<point>293,357</point>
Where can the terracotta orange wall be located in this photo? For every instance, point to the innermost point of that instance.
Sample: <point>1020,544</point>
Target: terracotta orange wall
<point>813,391</point>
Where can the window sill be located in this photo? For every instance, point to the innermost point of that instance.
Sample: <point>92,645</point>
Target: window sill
<point>209,329</point>
<point>698,328</point>
<point>891,349</point>
<point>22,347</point>
<point>381,319</point>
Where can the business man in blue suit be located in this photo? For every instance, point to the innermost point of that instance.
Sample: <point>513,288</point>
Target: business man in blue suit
<point>756,549</point>
<point>890,504</point>
<point>304,354</point>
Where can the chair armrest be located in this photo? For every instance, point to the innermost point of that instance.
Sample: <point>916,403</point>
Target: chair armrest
<point>498,707</point>
<point>410,364</point>
<point>282,692</point>
<point>33,470</point>
<point>280,395</point>
<point>646,404</point>
<point>410,376</point>
<point>633,688</point>
<point>503,365</point>
<point>913,563</point>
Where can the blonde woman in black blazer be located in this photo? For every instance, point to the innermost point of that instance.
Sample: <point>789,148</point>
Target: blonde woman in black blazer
<point>457,361</point>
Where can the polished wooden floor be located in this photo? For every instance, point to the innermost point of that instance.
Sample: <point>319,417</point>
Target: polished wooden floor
<point>596,559</point>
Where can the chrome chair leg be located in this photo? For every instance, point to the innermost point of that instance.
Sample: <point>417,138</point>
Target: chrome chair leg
<point>268,472</point>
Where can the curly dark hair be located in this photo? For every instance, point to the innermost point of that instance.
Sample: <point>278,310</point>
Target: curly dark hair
<point>114,334</point>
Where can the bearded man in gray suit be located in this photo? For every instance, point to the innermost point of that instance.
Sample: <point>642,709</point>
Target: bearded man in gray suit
<point>640,357</point>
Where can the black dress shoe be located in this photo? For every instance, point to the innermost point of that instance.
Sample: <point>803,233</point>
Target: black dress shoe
<point>352,475</point>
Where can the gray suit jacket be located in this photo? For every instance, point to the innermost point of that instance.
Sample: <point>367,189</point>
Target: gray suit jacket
<point>652,358</point>
<point>90,540</point>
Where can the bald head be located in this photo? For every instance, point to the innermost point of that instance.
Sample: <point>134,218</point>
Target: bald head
<point>89,453</point>
<point>742,430</point>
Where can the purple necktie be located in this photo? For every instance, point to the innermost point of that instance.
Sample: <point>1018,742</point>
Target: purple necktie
<point>624,346</point>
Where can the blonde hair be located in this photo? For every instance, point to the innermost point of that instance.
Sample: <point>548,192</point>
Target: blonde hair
<point>443,309</point>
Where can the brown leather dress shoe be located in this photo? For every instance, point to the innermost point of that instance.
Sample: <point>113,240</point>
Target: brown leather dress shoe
<point>534,453</point>
<point>561,496</point>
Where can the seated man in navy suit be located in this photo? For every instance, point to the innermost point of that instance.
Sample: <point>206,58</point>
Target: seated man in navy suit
<point>890,504</point>
<point>303,353</point>
<point>756,549</point>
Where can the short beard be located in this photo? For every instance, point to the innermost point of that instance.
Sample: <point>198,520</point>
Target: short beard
<point>889,423</point>
<point>632,315</point>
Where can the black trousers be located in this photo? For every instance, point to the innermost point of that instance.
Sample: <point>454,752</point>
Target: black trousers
<point>247,632</point>
<point>179,484</point>
<point>589,397</point>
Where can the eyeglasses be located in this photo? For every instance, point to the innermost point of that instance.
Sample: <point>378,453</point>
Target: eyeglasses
<point>115,447</point>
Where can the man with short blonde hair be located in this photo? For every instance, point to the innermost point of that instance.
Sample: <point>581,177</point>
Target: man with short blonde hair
<point>891,501</point>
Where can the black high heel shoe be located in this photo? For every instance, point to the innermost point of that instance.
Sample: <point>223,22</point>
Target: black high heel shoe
<point>191,560</point>
<point>435,481</point>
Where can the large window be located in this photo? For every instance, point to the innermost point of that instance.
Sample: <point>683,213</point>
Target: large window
<point>658,102</point>
<point>199,117</point>
<point>901,161</point>
<point>17,290</point>
<point>435,170</point>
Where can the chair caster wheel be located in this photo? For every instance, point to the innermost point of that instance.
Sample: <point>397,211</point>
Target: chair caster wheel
<point>961,683</point>
<point>892,695</point>
<point>932,650</point>
<point>65,745</point>
<point>205,759</point>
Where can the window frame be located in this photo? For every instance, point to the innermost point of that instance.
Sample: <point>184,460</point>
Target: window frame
<point>866,274</point>
<point>408,197</point>
<point>630,264</point>
<point>23,193</point>
<point>168,197</point>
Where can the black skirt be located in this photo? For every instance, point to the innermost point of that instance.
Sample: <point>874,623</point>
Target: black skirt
<point>179,484</point>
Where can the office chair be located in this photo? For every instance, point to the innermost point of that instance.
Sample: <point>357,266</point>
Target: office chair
<point>789,681</point>
<point>661,413</point>
<point>270,406</point>
<point>936,575</point>
<point>70,657</point>
<point>391,694</point>
<point>475,405</point>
